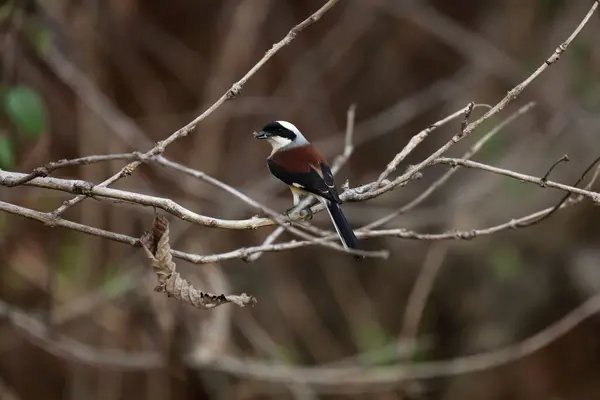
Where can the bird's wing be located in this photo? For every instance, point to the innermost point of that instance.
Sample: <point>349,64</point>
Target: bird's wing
<point>327,176</point>
<point>315,180</point>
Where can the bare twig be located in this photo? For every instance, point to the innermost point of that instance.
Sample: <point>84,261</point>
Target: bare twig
<point>564,158</point>
<point>54,165</point>
<point>343,158</point>
<point>511,96</point>
<point>177,210</point>
<point>417,300</point>
<point>528,220</point>
<point>49,220</point>
<point>567,195</point>
<point>417,139</point>
<point>170,206</point>
<point>277,217</point>
<point>595,197</point>
<point>420,293</point>
<point>465,121</point>
<point>243,253</point>
<point>522,222</point>
<point>444,178</point>
<point>160,160</point>
<point>183,213</point>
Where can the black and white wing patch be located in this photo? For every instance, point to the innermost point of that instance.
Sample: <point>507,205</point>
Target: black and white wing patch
<point>327,176</point>
<point>318,181</point>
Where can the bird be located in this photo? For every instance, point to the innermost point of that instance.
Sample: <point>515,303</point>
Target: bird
<point>296,162</point>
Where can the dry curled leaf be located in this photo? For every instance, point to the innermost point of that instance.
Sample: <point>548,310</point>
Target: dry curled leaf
<point>155,242</point>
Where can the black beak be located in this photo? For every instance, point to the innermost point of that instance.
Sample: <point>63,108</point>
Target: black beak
<point>261,135</point>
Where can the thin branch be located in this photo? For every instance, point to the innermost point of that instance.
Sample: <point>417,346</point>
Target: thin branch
<point>55,165</point>
<point>185,214</point>
<point>468,112</point>
<point>564,158</point>
<point>417,139</point>
<point>343,158</point>
<point>566,196</point>
<point>444,178</point>
<point>420,293</point>
<point>360,193</point>
<point>522,222</point>
<point>454,162</point>
<point>50,220</point>
<point>232,92</point>
<point>170,206</point>
<point>510,96</point>
<point>276,216</point>
<point>271,238</point>
<point>160,160</point>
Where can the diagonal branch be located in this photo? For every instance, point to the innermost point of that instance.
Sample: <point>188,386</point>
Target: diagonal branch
<point>465,131</point>
<point>444,178</point>
<point>232,92</point>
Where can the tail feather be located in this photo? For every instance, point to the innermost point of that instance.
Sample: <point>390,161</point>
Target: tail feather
<point>343,229</point>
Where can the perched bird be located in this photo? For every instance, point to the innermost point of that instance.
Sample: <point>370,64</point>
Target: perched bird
<point>296,162</point>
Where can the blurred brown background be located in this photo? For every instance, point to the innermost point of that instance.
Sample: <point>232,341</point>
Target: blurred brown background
<point>406,64</point>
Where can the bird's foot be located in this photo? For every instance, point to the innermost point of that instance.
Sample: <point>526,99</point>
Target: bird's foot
<point>305,214</point>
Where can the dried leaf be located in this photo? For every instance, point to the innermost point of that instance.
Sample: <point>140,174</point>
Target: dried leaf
<point>155,242</point>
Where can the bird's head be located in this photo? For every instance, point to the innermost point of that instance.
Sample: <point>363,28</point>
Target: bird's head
<point>281,134</point>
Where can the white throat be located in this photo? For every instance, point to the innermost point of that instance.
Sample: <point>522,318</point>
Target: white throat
<point>278,142</point>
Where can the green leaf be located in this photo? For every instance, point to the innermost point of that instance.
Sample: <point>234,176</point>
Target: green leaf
<point>26,109</point>
<point>7,157</point>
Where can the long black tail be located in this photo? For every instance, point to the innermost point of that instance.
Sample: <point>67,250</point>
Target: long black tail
<point>341,225</point>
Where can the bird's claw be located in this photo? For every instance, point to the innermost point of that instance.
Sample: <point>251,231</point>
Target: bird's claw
<point>305,214</point>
